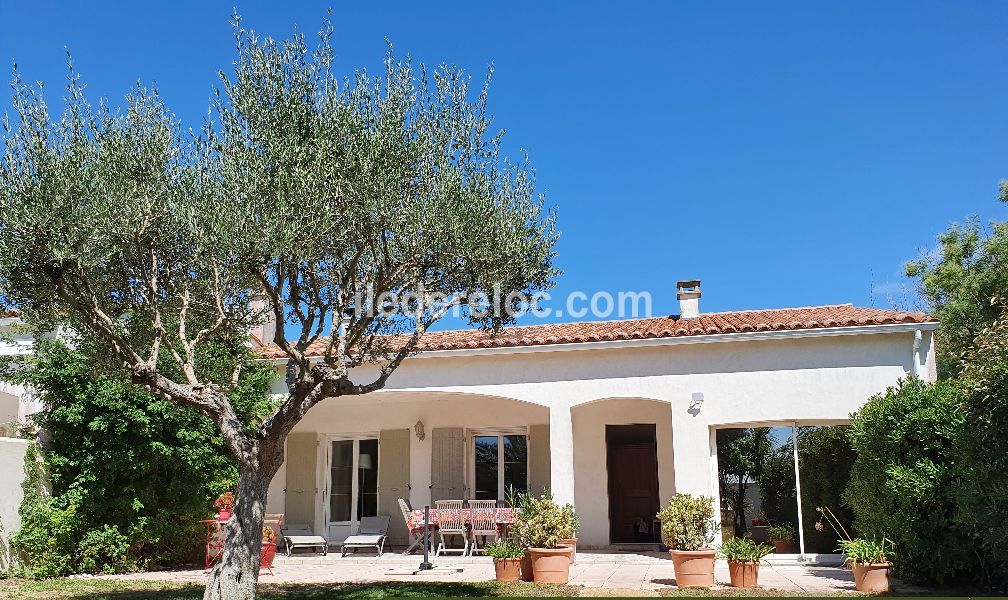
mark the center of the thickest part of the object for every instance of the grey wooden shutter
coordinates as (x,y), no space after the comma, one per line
(539,458)
(393,480)
(301,493)
(447,463)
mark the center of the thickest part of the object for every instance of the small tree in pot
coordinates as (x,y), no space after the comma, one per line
(744,556)
(688,528)
(541,523)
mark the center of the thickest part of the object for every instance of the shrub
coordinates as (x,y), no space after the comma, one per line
(504,549)
(688,522)
(130,475)
(905,476)
(542,523)
(782,532)
(742,549)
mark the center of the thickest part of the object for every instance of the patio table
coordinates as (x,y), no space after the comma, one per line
(502,516)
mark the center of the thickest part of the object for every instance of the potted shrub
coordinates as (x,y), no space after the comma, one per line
(540,524)
(569,534)
(223,504)
(688,528)
(871,560)
(507,555)
(782,537)
(268,548)
(744,556)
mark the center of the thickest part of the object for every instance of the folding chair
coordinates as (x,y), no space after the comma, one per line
(371,533)
(214,545)
(484,522)
(451,522)
(274,522)
(415,533)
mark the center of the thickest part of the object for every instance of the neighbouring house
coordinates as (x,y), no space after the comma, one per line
(16,405)
(613,416)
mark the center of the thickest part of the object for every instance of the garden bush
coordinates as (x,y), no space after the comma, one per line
(904,479)
(123,477)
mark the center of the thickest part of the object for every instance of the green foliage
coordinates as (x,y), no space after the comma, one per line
(982,492)
(960,284)
(777,487)
(743,549)
(504,549)
(826,459)
(541,523)
(905,478)
(130,474)
(782,532)
(861,551)
(742,457)
(688,522)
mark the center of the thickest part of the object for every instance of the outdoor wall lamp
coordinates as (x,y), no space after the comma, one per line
(419,431)
(696,401)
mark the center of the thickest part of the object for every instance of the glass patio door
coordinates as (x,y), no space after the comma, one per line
(353,485)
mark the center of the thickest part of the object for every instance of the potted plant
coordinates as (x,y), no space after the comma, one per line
(744,556)
(223,504)
(268,548)
(569,534)
(871,560)
(688,528)
(507,555)
(540,524)
(782,537)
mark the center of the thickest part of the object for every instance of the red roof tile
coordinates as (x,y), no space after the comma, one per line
(782,319)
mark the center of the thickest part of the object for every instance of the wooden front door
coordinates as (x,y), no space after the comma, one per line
(633,489)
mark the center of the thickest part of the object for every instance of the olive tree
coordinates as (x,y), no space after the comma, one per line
(363,208)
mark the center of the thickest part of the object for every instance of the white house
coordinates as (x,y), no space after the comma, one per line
(613,416)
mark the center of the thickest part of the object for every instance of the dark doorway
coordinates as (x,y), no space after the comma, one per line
(632,462)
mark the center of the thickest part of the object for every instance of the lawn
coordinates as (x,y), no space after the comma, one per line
(105,589)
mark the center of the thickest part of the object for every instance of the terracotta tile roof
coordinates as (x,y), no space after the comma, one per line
(783,319)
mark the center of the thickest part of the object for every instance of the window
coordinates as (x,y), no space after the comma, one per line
(500,463)
(353,480)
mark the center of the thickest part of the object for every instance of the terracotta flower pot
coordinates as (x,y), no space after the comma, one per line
(507,569)
(743,574)
(267,556)
(570,543)
(223,514)
(693,568)
(550,565)
(872,578)
(526,567)
(783,546)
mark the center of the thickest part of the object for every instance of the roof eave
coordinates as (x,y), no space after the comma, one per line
(709,338)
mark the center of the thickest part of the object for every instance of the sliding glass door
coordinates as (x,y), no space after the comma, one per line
(353,485)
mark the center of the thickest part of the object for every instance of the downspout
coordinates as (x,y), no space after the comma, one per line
(918,337)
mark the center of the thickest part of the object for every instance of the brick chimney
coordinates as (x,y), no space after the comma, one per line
(689,298)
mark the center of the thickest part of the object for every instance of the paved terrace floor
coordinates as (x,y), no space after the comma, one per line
(644,572)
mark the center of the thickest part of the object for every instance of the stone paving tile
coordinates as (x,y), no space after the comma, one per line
(640,573)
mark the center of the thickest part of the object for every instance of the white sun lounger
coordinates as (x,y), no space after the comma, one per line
(372,535)
(301,537)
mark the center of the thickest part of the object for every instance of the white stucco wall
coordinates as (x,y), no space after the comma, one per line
(12,453)
(820,379)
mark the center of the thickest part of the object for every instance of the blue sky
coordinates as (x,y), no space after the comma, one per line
(786,154)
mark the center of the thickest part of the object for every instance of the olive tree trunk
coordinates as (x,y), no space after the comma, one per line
(235,575)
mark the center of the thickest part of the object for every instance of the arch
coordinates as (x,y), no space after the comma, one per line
(591,420)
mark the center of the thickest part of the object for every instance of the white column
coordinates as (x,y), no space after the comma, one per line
(561,454)
(797,482)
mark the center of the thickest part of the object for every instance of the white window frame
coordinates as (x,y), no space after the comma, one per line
(356,438)
(472,434)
